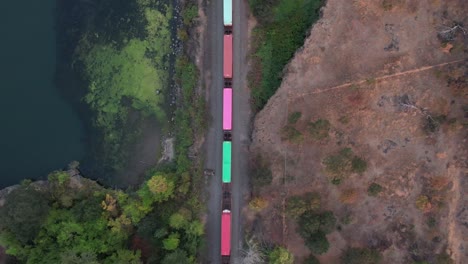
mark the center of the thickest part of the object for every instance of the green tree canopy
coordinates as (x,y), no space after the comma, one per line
(281,255)
(23,214)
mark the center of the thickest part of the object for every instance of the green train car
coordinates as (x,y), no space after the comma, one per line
(227,147)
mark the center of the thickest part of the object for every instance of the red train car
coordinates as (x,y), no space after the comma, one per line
(226,236)
(227,67)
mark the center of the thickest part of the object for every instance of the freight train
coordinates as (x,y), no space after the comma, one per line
(227,130)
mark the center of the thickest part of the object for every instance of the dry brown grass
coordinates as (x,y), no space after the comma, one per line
(439,183)
(349,196)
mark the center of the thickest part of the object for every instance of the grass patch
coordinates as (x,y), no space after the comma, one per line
(291,134)
(294,117)
(361,256)
(319,129)
(283,25)
(374,189)
(344,120)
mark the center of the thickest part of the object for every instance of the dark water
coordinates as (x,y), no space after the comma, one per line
(39,130)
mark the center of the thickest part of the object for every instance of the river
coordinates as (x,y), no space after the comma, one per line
(40,132)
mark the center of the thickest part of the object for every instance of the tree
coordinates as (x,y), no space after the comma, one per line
(73,257)
(124,256)
(361,256)
(311,222)
(177,221)
(281,255)
(23,214)
(171,242)
(311,259)
(318,243)
(161,187)
(177,256)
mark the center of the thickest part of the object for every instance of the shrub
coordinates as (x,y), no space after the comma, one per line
(319,129)
(297,205)
(358,165)
(342,164)
(423,203)
(374,189)
(339,163)
(189,14)
(261,173)
(431,222)
(361,256)
(432,124)
(258,204)
(311,222)
(444,259)
(294,117)
(292,134)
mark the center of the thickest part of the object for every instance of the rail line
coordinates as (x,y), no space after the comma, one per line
(226,217)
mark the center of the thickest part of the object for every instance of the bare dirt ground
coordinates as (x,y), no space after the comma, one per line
(375,72)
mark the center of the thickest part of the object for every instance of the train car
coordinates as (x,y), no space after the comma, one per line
(227,66)
(227,147)
(225,236)
(227,114)
(227,109)
(227,13)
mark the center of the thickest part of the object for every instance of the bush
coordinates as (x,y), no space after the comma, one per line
(431,222)
(361,256)
(280,255)
(319,129)
(374,189)
(294,117)
(292,134)
(261,173)
(312,222)
(444,259)
(358,165)
(297,205)
(423,203)
(189,14)
(432,124)
(258,204)
(342,164)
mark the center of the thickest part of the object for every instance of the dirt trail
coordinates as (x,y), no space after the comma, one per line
(454,233)
(376,79)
